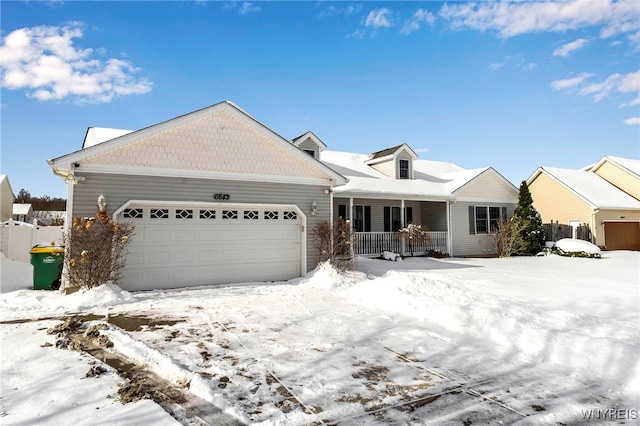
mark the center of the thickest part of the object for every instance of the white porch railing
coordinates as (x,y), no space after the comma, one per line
(374,243)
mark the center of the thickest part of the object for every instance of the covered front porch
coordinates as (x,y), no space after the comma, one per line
(375,243)
(376,223)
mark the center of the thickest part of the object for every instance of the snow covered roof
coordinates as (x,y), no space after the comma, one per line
(591,187)
(631,165)
(21,208)
(432,179)
(96,135)
(389,152)
(296,141)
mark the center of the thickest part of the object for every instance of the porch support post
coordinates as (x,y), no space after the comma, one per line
(402,225)
(350,213)
(448,204)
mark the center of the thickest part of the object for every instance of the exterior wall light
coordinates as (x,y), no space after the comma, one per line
(314,208)
(72,179)
(102,203)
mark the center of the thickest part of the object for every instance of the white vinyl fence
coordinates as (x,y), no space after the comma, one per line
(17,238)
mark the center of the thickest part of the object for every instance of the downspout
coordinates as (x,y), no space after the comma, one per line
(593,226)
(331,215)
(69,182)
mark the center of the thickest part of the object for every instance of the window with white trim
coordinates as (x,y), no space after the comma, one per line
(403,167)
(392,218)
(485,219)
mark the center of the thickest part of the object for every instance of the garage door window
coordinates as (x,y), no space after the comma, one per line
(207,214)
(132,214)
(184,214)
(229,214)
(290,215)
(271,215)
(251,214)
(159,214)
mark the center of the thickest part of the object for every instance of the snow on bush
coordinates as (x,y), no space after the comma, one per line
(571,247)
(389,255)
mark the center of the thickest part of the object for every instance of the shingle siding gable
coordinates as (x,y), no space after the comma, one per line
(219,142)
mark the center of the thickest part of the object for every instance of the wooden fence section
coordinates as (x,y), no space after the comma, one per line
(555,231)
(374,243)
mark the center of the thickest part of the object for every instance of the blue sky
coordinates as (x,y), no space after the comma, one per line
(513,85)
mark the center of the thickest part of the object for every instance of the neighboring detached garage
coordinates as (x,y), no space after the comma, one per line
(215,196)
(622,235)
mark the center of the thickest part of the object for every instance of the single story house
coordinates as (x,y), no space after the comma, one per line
(584,197)
(6,199)
(23,212)
(217,197)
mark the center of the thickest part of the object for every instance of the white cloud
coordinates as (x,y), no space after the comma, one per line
(567,48)
(516,62)
(44,61)
(379,18)
(571,82)
(422,150)
(514,18)
(632,121)
(331,10)
(419,17)
(614,84)
(634,40)
(248,7)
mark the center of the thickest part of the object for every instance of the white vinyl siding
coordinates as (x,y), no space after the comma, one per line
(465,243)
(118,189)
(403,158)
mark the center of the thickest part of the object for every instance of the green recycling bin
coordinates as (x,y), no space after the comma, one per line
(47,266)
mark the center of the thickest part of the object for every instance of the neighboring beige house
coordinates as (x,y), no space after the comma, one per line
(22,212)
(624,173)
(6,199)
(584,197)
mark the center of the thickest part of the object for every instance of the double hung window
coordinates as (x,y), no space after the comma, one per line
(403,167)
(485,219)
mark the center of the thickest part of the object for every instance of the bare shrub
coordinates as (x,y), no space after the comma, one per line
(414,234)
(507,237)
(96,249)
(335,243)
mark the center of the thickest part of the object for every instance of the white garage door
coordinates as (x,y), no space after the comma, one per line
(184,244)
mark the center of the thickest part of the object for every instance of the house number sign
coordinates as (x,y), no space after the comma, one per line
(223,197)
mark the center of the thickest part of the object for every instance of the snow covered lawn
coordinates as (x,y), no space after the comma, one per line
(535,340)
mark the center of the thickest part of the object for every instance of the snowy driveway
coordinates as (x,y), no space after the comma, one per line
(522,340)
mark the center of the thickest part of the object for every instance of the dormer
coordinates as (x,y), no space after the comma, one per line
(310,143)
(396,162)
